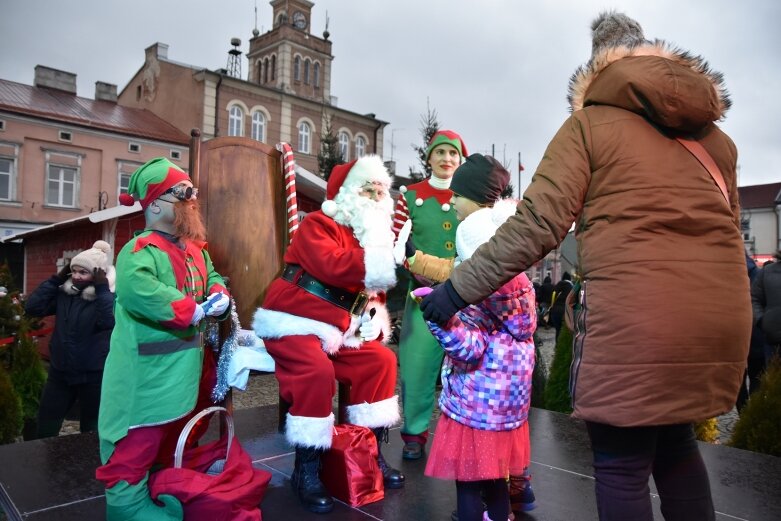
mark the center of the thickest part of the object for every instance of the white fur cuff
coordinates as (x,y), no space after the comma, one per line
(384,413)
(380,269)
(306,431)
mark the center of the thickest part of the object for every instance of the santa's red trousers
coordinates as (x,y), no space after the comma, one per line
(307,375)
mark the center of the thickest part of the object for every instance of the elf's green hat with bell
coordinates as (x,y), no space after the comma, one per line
(151,180)
(446,137)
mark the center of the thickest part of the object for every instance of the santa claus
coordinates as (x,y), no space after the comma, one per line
(323,320)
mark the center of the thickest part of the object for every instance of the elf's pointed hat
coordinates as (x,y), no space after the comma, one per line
(150,181)
(446,137)
(352,175)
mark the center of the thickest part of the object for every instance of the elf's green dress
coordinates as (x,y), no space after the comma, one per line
(153,369)
(420,356)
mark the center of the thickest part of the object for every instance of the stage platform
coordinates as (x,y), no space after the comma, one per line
(53,479)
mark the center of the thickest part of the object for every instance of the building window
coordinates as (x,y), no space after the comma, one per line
(306,71)
(304,135)
(66,136)
(360,146)
(2,125)
(176,154)
(297,68)
(62,179)
(344,145)
(265,70)
(316,79)
(235,121)
(134,147)
(258,126)
(273,67)
(7,175)
(124,170)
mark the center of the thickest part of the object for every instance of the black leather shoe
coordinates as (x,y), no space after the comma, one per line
(306,481)
(391,477)
(412,450)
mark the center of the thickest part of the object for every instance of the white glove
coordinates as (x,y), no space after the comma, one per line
(401,243)
(220,305)
(197,315)
(370,328)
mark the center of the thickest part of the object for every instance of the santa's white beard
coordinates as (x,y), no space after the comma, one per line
(371,221)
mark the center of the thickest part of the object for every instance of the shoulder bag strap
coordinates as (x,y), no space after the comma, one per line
(702,155)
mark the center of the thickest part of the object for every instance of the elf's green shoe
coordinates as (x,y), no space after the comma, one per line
(125,502)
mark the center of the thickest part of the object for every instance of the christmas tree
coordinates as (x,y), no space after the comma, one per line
(19,355)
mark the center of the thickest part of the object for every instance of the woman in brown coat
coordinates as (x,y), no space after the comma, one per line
(663,331)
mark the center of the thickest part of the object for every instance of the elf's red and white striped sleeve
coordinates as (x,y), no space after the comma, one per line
(400,215)
(291,204)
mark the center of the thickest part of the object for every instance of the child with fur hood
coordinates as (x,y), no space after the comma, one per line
(482,436)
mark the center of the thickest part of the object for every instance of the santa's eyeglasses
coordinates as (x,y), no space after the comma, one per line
(182,192)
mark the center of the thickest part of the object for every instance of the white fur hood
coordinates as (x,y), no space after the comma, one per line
(89,292)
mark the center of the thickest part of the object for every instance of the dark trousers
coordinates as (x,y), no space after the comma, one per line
(470,496)
(57,399)
(625,457)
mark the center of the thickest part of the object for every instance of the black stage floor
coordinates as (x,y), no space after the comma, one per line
(53,479)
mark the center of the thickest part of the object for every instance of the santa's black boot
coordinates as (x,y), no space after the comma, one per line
(391,477)
(306,481)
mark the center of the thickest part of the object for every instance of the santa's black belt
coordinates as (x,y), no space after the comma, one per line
(355,303)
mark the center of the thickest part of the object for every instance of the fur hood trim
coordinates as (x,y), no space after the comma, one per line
(585,75)
(89,292)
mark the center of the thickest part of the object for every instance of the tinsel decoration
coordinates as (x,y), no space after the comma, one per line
(226,352)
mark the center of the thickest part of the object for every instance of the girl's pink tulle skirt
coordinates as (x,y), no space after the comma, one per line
(466,454)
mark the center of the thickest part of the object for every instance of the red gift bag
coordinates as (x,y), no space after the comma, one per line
(229,492)
(349,469)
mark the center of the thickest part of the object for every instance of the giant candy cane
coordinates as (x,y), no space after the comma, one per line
(289,171)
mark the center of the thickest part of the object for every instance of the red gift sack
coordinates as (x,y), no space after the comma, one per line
(350,471)
(229,492)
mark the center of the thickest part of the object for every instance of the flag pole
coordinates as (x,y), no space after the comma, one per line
(520,168)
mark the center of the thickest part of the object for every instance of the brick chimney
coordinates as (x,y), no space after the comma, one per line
(157,50)
(105,91)
(55,79)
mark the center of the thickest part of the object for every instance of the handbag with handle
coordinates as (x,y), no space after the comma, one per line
(215,481)
(350,470)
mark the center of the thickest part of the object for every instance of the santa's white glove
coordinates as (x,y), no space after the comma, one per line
(219,305)
(399,247)
(198,315)
(370,328)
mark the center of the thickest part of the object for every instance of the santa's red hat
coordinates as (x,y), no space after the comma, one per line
(352,176)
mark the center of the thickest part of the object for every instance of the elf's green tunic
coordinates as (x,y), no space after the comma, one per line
(420,356)
(154,365)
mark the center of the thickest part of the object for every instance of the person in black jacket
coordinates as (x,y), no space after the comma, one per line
(81,298)
(560,292)
(766,303)
(544,301)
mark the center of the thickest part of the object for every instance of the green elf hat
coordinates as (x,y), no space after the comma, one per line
(446,137)
(151,180)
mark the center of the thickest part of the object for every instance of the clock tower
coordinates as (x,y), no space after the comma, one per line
(289,57)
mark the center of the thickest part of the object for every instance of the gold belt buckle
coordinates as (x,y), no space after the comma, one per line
(359,305)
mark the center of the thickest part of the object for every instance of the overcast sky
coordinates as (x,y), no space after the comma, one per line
(495,71)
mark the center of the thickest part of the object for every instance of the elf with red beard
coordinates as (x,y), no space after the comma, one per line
(324,318)
(156,364)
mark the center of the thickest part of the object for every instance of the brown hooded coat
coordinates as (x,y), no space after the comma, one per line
(663,331)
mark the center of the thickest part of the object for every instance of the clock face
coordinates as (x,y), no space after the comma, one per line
(299,20)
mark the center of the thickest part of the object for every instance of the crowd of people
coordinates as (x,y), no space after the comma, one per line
(128,342)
